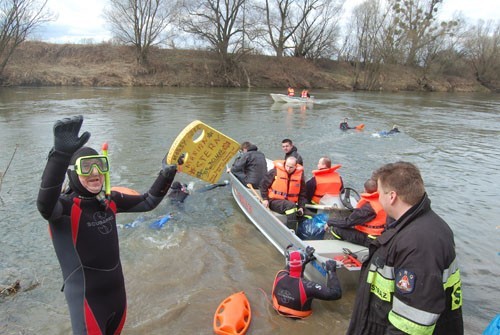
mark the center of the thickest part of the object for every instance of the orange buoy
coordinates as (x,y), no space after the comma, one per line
(233,315)
(124,190)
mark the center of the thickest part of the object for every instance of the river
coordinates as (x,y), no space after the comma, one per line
(177,276)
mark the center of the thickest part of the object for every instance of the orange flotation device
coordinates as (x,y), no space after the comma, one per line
(233,315)
(125,190)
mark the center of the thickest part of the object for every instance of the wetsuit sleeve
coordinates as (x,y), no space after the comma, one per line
(266,182)
(147,201)
(332,291)
(51,184)
(357,217)
(310,188)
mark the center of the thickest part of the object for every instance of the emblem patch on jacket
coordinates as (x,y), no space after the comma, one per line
(405,281)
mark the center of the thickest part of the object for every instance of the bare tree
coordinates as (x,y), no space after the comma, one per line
(316,36)
(482,47)
(140,23)
(283,19)
(218,22)
(415,23)
(370,43)
(18,19)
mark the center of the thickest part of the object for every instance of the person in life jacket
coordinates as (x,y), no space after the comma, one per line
(292,294)
(82,225)
(283,190)
(305,94)
(366,222)
(344,125)
(410,283)
(325,180)
(290,92)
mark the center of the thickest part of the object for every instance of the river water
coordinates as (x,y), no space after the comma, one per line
(177,276)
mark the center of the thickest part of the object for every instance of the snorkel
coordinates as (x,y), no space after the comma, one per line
(107,182)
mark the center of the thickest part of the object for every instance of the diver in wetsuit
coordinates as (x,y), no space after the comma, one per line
(83,227)
(293,294)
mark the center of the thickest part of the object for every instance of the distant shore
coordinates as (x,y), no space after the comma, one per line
(107,65)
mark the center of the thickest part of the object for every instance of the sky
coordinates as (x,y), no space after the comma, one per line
(82,21)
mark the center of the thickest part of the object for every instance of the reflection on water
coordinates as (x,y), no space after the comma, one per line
(177,276)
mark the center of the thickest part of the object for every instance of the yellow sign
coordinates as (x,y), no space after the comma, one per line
(206,150)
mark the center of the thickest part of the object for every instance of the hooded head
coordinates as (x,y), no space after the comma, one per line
(295,261)
(74,181)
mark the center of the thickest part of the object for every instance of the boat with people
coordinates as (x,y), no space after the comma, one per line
(289,99)
(272,226)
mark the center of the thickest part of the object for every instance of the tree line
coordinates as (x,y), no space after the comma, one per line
(377,33)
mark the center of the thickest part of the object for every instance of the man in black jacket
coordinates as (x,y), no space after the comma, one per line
(291,150)
(410,283)
(251,166)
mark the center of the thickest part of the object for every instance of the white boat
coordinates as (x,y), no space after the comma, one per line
(278,97)
(272,226)
(285,98)
(298,100)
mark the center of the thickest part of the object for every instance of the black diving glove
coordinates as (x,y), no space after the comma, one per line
(331,266)
(169,170)
(66,138)
(310,254)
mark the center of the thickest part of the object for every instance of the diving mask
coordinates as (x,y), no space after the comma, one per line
(84,165)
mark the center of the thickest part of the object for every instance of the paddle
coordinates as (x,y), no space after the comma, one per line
(250,186)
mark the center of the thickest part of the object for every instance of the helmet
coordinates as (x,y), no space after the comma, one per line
(295,262)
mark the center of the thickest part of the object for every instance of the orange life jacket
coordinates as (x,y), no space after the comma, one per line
(291,91)
(286,186)
(327,182)
(375,226)
(304,94)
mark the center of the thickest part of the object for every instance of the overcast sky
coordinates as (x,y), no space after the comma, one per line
(82,20)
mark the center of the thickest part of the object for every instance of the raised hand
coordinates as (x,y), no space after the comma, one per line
(66,137)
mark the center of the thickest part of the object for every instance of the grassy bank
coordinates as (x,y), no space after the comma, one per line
(44,64)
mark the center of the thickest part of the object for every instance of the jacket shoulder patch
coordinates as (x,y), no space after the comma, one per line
(405,281)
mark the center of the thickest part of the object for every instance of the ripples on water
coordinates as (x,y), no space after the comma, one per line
(178,275)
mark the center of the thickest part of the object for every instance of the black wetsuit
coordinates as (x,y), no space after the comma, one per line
(85,239)
(297,294)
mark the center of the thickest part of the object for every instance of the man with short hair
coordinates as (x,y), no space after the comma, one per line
(251,166)
(283,190)
(410,283)
(325,180)
(291,150)
(365,223)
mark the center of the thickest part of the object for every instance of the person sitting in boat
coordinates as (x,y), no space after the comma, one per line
(283,190)
(290,92)
(291,150)
(305,94)
(292,294)
(366,222)
(251,166)
(344,125)
(325,180)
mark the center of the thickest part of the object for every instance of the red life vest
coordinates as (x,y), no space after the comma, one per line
(327,182)
(304,94)
(375,226)
(286,186)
